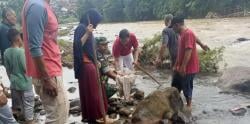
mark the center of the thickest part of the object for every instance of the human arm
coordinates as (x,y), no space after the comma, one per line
(111,74)
(136,52)
(117,65)
(187,56)
(203,46)
(89,31)
(37,18)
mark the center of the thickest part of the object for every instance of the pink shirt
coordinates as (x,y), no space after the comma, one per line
(123,50)
(47,43)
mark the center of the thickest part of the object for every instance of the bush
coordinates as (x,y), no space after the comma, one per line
(210,60)
(150,50)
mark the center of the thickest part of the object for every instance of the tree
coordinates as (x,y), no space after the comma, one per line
(113,10)
(16,5)
(83,6)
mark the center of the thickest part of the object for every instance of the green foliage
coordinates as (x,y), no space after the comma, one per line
(150,50)
(209,61)
(139,10)
(113,10)
(16,5)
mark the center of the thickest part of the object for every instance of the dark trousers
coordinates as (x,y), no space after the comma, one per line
(184,84)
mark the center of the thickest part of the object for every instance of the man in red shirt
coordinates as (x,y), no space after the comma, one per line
(122,50)
(187,64)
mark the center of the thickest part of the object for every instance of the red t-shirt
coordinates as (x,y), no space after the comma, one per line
(187,40)
(120,49)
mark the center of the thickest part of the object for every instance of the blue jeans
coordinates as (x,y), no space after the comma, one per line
(6,116)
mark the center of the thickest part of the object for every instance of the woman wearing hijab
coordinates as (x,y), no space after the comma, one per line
(93,103)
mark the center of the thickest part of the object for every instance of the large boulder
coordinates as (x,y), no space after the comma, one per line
(161,105)
(235,80)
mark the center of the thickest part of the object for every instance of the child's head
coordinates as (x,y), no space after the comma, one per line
(14,37)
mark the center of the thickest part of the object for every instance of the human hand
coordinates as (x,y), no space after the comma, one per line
(182,70)
(90,29)
(205,47)
(49,86)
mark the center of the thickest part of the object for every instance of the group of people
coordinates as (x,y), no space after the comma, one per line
(39,65)
(181,43)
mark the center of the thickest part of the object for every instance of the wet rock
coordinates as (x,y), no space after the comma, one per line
(75,102)
(75,110)
(38,109)
(130,103)
(113,116)
(235,80)
(112,110)
(71,89)
(161,104)
(242,39)
(42,112)
(204,112)
(125,112)
(239,112)
(139,95)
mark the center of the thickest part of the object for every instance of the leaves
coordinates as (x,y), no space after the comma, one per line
(209,61)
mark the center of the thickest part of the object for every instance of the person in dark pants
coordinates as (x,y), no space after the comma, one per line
(187,64)
(170,40)
(8,22)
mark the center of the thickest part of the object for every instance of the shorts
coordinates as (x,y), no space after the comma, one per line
(184,84)
(23,100)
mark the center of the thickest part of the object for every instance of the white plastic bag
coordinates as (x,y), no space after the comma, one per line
(125,84)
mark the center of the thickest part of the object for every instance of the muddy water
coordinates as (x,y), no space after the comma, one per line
(210,106)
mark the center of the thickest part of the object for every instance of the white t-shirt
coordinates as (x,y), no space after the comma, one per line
(4,79)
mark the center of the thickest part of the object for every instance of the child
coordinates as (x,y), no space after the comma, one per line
(21,86)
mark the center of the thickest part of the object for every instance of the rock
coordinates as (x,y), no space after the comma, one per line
(37,109)
(125,112)
(75,102)
(71,89)
(139,95)
(75,110)
(161,104)
(235,80)
(242,39)
(42,112)
(239,112)
(113,116)
(111,110)
(204,112)
(130,103)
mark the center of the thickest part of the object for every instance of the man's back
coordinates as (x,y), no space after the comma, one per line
(40,33)
(4,42)
(170,38)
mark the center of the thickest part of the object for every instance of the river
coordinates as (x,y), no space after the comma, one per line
(209,105)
